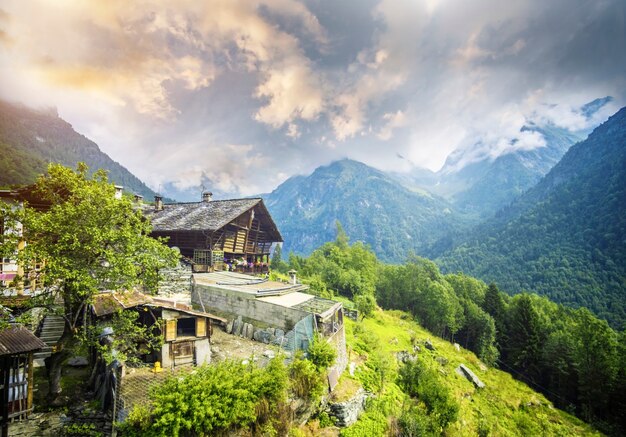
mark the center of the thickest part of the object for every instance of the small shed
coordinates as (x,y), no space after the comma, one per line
(17,345)
(186,332)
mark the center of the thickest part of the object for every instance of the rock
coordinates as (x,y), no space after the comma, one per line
(404,356)
(457,347)
(351,368)
(258,335)
(279,333)
(248,331)
(346,413)
(428,345)
(229,327)
(238,326)
(269,354)
(271,331)
(463,370)
(245,362)
(78,362)
(442,360)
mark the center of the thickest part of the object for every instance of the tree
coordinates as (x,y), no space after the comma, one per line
(365,304)
(277,262)
(525,338)
(88,241)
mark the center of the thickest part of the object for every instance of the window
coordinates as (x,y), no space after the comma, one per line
(186,327)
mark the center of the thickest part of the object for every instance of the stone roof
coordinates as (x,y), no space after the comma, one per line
(199,216)
(109,302)
(18,340)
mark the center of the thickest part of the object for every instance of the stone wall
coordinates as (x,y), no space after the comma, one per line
(175,280)
(346,413)
(232,304)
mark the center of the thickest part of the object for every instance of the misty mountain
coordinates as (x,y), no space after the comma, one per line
(479,184)
(566,237)
(370,205)
(30,139)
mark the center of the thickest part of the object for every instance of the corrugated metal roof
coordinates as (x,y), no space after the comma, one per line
(17,340)
(198,216)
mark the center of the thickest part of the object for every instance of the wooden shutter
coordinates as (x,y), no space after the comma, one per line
(200,327)
(170,330)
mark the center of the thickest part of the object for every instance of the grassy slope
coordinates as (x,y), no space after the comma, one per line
(505,407)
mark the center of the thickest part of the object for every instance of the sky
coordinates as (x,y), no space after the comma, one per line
(236,96)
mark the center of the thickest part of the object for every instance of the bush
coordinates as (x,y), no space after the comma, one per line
(321,353)
(212,399)
(421,382)
(306,380)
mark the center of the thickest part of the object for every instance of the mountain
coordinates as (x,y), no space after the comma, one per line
(566,237)
(479,184)
(29,139)
(369,204)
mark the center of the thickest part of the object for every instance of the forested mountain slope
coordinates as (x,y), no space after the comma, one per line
(30,139)
(371,206)
(566,237)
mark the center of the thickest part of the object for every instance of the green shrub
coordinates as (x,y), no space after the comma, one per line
(306,380)
(212,399)
(321,352)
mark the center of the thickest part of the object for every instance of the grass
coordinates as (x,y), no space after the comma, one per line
(505,407)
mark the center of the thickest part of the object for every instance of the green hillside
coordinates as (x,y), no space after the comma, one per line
(505,407)
(30,139)
(566,237)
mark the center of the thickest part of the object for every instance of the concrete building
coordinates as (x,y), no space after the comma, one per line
(256,306)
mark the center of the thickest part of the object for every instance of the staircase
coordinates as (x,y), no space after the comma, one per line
(51,332)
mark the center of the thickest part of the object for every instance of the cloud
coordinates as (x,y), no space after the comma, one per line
(234,93)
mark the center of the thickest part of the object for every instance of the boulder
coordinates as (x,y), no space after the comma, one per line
(428,345)
(471,376)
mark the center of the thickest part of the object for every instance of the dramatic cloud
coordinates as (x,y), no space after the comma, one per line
(238,95)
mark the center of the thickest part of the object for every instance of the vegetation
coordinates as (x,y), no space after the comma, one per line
(213,399)
(85,241)
(541,343)
(564,238)
(29,139)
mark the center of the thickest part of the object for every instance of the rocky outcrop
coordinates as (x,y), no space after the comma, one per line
(347,412)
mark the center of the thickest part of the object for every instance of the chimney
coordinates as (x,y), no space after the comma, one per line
(138,198)
(206,196)
(118,191)
(292,276)
(158,203)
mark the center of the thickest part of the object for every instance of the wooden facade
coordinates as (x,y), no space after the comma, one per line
(211,233)
(17,345)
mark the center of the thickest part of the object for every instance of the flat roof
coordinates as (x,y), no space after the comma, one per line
(289,300)
(277,293)
(252,285)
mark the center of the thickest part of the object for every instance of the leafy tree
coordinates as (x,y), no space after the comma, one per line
(421,382)
(365,304)
(88,241)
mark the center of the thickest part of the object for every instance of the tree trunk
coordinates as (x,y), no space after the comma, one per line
(54,366)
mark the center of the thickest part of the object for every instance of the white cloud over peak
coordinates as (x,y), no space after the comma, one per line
(236,92)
